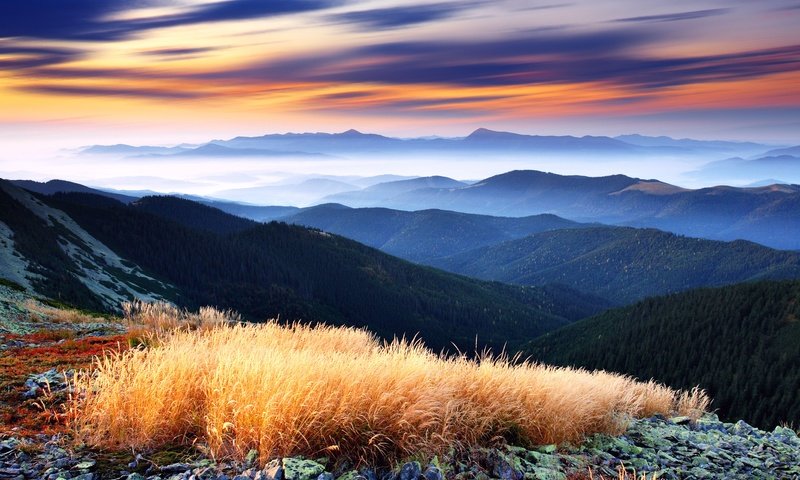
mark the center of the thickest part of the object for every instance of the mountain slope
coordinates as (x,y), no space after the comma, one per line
(277,269)
(623,264)
(45,250)
(423,235)
(738,342)
(55,186)
(193,215)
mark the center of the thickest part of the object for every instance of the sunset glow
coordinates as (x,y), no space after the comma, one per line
(246,66)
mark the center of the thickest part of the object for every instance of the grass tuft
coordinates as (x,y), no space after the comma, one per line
(339,392)
(162,317)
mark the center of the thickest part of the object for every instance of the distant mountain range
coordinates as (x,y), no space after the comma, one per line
(737,342)
(622,264)
(781,165)
(353,142)
(708,146)
(95,251)
(767,215)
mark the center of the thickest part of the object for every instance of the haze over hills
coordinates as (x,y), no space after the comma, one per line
(304,193)
(723,213)
(256,167)
(737,342)
(254,212)
(353,142)
(622,264)
(386,191)
(740,169)
(422,235)
(55,186)
(712,147)
(263,271)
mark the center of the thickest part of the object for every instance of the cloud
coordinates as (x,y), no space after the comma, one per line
(608,56)
(177,52)
(675,17)
(77,90)
(526,59)
(91,20)
(23,57)
(397,17)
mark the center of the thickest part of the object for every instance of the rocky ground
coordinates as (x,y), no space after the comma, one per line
(661,448)
(39,352)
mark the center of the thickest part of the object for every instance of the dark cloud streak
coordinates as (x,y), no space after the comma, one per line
(89,19)
(675,17)
(539,59)
(73,90)
(397,17)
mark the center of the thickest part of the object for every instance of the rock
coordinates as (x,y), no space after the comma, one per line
(135,476)
(548,474)
(300,469)
(741,428)
(433,473)
(351,475)
(549,449)
(86,465)
(273,470)
(506,467)
(9,445)
(175,468)
(410,471)
(681,420)
(325,476)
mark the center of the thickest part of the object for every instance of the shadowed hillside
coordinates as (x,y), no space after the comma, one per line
(275,270)
(740,343)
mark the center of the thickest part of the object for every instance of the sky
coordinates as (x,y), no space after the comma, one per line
(78,72)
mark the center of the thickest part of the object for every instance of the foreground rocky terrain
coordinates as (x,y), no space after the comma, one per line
(40,347)
(661,448)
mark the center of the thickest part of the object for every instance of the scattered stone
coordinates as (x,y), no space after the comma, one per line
(410,471)
(667,449)
(433,472)
(300,469)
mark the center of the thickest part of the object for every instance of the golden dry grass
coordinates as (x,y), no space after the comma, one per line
(289,390)
(160,317)
(58,315)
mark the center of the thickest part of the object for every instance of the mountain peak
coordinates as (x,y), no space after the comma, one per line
(486,133)
(351,133)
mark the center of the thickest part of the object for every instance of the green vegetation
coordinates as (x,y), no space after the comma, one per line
(12,285)
(624,264)
(280,270)
(741,343)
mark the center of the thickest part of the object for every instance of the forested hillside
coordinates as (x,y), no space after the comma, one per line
(623,264)
(277,269)
(426,234)
(741,343)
